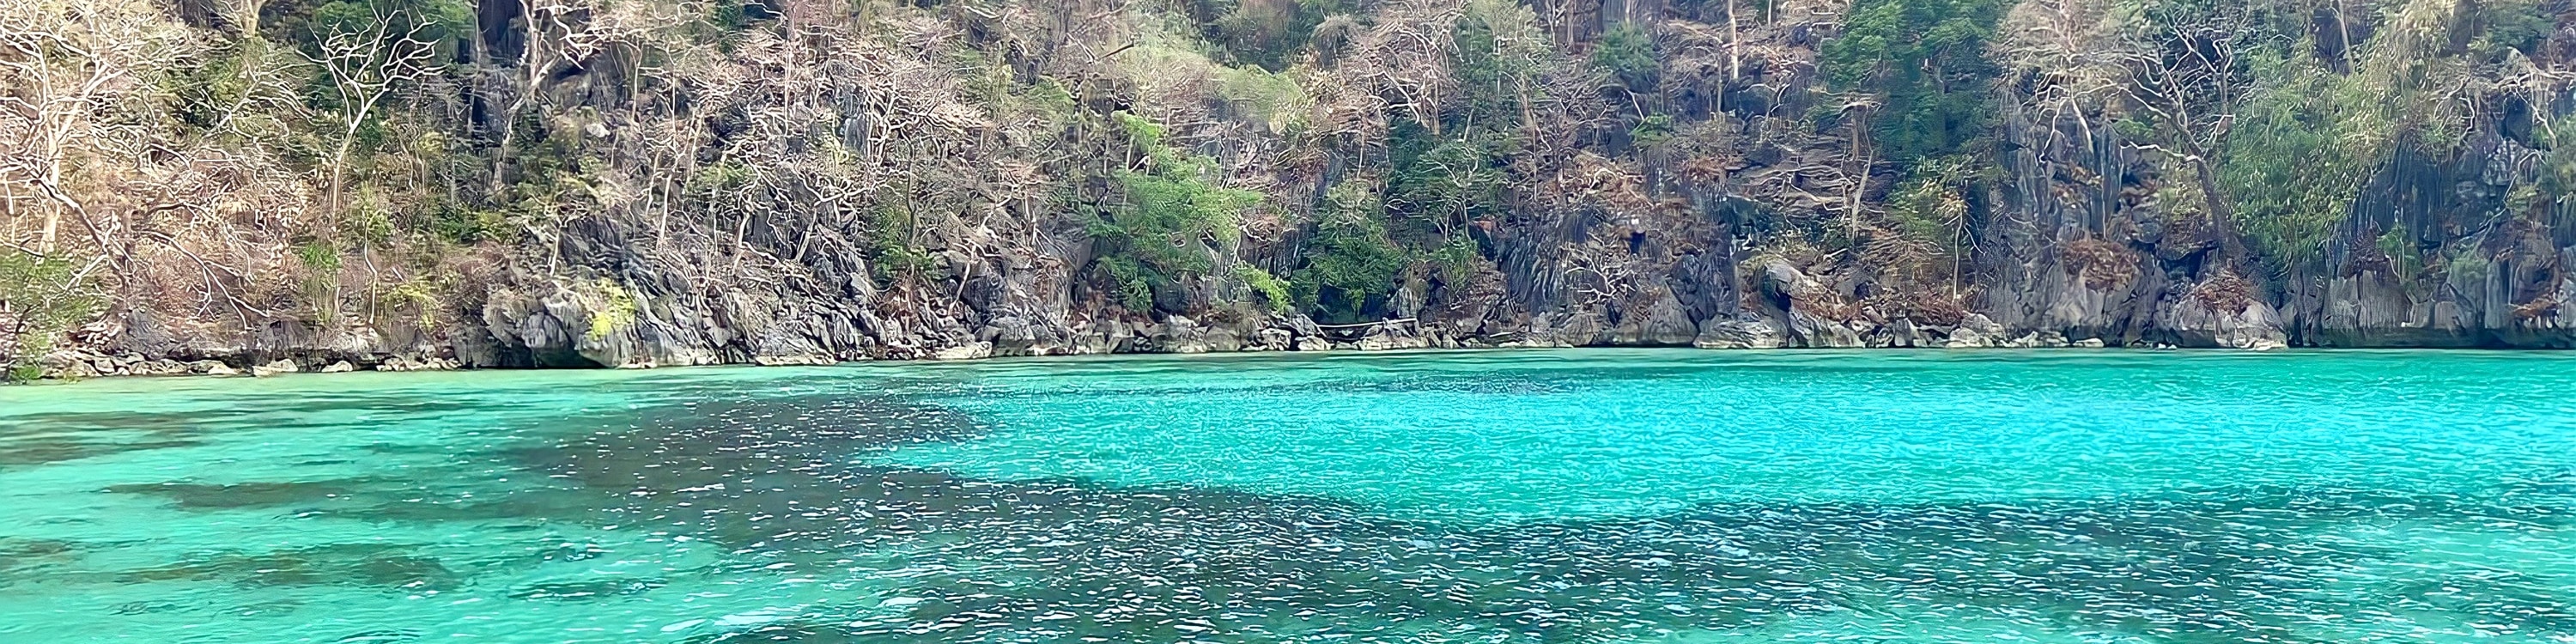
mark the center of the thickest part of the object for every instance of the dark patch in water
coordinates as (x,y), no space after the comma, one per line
(1063,560)
(777,480)
(57,448)
(37,439)
(379,637)
(52,437)
(205,496)
(25,558)
(586,589)
(361,564)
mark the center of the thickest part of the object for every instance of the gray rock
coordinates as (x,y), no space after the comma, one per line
(969,351)
(1390,336)
(62,359)
(340,367)
(1901,333)
(273,368)
(1663,323)
(1818,333)
(407,363)
(1979,323)
(212,368)
(74,370)
(1782,283)
(1747,333)
(158,368)
(1967,338)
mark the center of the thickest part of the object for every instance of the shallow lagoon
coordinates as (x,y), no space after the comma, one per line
(1542,496)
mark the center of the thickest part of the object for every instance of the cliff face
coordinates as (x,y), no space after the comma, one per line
(409,184)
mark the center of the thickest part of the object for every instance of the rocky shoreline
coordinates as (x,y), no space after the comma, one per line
(1177,335)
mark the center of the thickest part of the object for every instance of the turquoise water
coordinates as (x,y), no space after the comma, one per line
(1668,496)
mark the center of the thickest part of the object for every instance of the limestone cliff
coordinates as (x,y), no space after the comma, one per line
(428,184)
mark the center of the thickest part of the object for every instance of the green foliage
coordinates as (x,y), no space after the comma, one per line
(307,23)
(462,225)
(1047,100)
(319,256)
(1925,62)
(1653,129)
(2403,260)
(1456,260)
(1928,205)
(418,293)
(1130,281)
(550,162)
(2298,153)
(732,17)
(204,96)
(1439,184)
(2521,25)
(1173,210)
(891,253)
(1501,52)
(1268,33)
(1274,291)
(40,299)
(1349,259)
(321,281)
(1271,98)
(2557,185)
(617,310)
(1628,51)
(2466,268)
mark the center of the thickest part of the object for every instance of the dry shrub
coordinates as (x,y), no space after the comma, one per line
(2226,292)
(2103,265)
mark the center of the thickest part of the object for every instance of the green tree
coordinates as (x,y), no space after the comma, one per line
(40,298)
(1925,63)
(1501,55)
(1628,51)
(1174,219)
(2299,151)
(1349,259)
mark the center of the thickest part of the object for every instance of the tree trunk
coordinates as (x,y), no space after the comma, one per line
(53,213)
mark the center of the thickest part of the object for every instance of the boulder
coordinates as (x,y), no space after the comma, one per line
(1818,333)
(158,368)
(968,351)
(1900,332)
(1662,323)
(1389,336)
(273,368)
(1979,323)
(212,368)
(1741,333)
(1965,337)
(340,367)
(406,363)
(1011,336)
(1273,339)
(74,370)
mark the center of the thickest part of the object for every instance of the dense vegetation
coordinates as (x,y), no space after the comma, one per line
(220,166)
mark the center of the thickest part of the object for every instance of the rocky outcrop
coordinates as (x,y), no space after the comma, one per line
(896,215)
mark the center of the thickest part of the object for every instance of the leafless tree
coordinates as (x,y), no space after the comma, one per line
(64,65)
(364,66)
